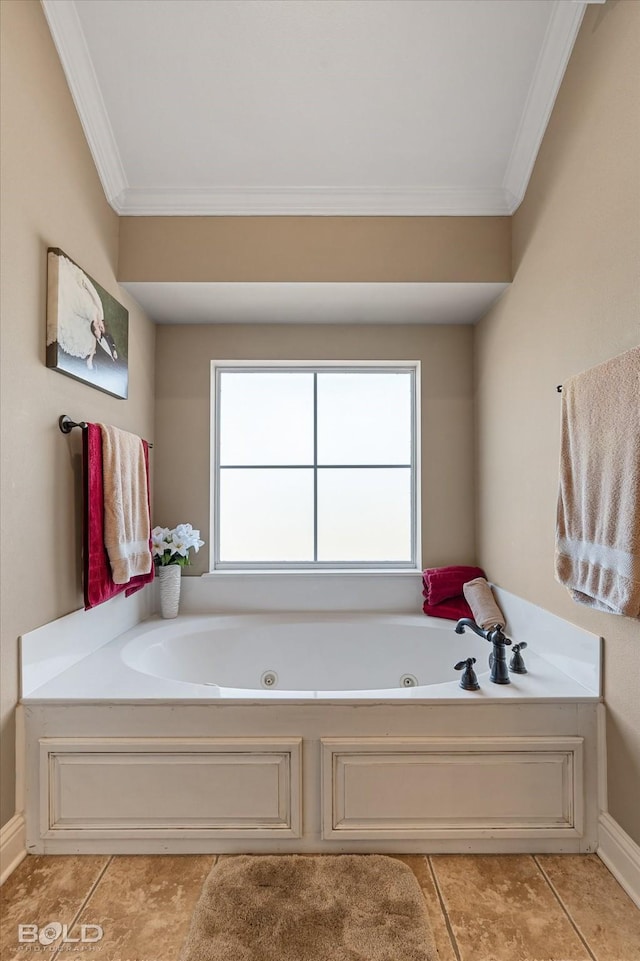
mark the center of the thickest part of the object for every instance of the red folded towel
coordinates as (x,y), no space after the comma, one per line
(98,583)
(454,608)
(441,583)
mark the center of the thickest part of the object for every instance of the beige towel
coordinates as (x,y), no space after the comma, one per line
(598,519)
(126,508)
(480,599)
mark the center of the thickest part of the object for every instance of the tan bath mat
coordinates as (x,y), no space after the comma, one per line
(296,908)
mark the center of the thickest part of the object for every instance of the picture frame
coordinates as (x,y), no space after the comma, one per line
(87,329)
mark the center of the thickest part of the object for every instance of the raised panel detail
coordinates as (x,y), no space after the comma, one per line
(439,787)
(234,787)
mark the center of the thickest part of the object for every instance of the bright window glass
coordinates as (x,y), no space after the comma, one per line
(364,418)
(315,466)
(266,418)
(364,514)
(267,515)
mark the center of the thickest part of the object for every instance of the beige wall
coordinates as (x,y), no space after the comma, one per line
(183,367)
(316,249)
(574,303)
(51,195)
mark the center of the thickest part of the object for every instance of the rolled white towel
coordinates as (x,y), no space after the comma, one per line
(480,599)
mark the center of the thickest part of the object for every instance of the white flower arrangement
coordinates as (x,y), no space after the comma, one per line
(172,546)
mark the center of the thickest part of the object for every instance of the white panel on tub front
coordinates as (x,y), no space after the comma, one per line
(231,787)
(430,787)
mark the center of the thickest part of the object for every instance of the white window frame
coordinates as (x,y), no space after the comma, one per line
(247,366)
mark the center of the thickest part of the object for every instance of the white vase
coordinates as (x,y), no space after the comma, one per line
(169,578)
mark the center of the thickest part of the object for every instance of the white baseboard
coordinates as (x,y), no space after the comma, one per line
(13,846)
(621,855)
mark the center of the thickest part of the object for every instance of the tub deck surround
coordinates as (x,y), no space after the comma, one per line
(356,657)
(51,649)
(571,649)
(164,740)
(376,591)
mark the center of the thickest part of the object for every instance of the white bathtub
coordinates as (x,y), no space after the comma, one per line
(165,739)
(304,655)
(320,656)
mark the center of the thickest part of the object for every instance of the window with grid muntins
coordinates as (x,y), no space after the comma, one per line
(315,466)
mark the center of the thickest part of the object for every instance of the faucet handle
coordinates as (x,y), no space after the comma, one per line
(468,681)
(466,663)
(516,664)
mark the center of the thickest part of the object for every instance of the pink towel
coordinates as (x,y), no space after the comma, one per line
(98,582)
(441,583)
(453,609)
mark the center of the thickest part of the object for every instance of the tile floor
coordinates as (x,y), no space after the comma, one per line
(482,908)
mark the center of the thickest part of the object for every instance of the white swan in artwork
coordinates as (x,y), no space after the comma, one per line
(78,324)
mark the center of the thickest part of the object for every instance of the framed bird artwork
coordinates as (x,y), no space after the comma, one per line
(87,329)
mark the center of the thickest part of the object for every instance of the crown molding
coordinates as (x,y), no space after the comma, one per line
(71,45)
(557,45)
(77,64)
(316,201)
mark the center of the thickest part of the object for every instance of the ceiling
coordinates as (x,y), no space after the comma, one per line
(325,303)
(413,107)
(314,107)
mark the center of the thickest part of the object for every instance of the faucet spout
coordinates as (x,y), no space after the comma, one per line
(467,622)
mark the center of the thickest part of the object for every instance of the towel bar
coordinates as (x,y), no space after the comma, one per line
(66,425)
